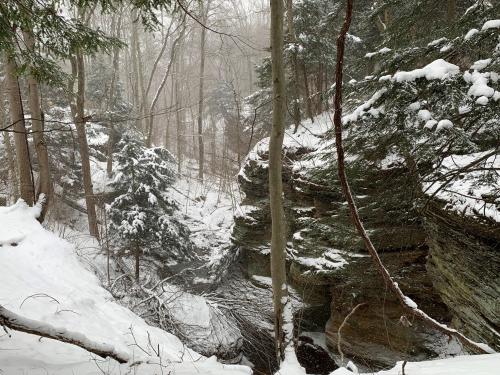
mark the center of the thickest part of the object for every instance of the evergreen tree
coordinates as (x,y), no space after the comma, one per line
(142,215)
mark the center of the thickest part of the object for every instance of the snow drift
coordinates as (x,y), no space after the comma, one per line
(43,279)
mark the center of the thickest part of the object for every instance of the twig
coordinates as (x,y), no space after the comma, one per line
(339,337)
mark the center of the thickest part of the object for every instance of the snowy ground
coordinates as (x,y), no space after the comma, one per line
(43,279)
(207,209)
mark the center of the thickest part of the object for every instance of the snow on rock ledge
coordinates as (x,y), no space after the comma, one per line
(42,279)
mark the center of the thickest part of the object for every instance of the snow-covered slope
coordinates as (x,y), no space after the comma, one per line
(41,278)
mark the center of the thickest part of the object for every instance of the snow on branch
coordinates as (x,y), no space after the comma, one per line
(18,323)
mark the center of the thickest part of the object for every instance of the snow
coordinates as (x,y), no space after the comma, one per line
(430,124)
(481,64)
(291,365)
(208,212)
(464,109)
(436,42)
(444,124)
(38,282)
(485,364)
(470,34)
(482,100)
(414,106)
(379,52)
(410,303)
(363,108)
(438,69)
(464,195)
(491,24)
(424,115)
(479,85)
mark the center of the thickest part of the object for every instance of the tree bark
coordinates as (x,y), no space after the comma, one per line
(149,140)
(11,158)
(137,262)
(45,186)
(278,235)
(295,69)
(111,98)
(307,92)
(27,191)
(135,69)
(18,323)
(178,114)
(451,10)
(78,70)
(408,305)
(201,146)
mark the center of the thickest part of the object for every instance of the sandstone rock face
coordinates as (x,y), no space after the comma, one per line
(327,264)
(464,265)
(447,263)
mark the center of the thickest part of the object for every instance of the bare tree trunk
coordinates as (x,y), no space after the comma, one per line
(20,135)
(238,127)
(307,92)
(135,69)
(149,140)
(278,236)
(295,69)
(111,99)
(137,262)
(142,91)
(78,70)
(408,305)
(451,10)
(213,134)
(10,155)
(201,147)
(38,128)
(178,114)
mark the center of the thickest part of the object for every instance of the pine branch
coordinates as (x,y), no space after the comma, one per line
(408,305)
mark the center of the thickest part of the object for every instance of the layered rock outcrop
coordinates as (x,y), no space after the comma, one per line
(329,268)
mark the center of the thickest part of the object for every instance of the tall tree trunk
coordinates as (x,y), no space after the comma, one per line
(278,235)
(201,146)
(178,114)
(11,160)
(408,305)
(142,92)
(38,128)
(295,69)
(149,139)
(111,98)
(10,155)
(238,127)
(213,146)
(135,69)
(137,255)
(451,10)
(78,68)
(307,92)
(20,135)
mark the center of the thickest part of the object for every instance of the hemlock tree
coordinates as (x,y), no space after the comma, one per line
(141,216)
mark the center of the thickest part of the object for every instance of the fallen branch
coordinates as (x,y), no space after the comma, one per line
(18,323)
(339,337)
(408,305)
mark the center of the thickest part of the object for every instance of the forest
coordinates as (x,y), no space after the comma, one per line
(268,187)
